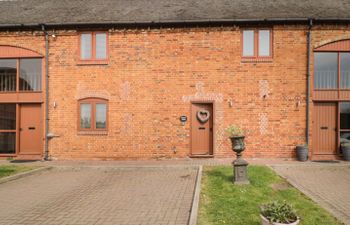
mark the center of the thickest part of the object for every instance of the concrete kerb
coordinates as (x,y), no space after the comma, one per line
(314,197)
(124,167)
(24,174)
(196,198)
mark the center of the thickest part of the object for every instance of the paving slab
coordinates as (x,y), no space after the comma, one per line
(327,184)
(100,195)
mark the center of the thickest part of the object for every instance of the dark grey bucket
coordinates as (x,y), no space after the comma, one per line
(346,152)
(302,152)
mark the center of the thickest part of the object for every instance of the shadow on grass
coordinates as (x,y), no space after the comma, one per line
(219,174)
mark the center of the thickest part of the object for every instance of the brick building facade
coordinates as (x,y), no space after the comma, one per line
(153,75)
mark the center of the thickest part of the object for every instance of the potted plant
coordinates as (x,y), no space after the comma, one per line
(345,147)
(237,138)
(278,213)
(302,152)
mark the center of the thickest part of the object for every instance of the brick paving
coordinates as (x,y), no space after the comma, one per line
(327,184)
(100,195)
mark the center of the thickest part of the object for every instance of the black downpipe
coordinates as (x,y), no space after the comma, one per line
(46,154)
(308,80)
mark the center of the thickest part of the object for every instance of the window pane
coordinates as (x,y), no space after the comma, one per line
(7,116)
(345,115)
(30,75)
(344,137)
(326,70)
(85,46)
(101,46)
(85,116)
(345,70)
(7,142)
(264,43)
(8,73)
(248,43)
(101,114)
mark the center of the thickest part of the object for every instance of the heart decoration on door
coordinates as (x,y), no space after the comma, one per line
(203,115)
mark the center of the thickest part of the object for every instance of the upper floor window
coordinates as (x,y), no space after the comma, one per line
(20,74)
(93,114)
(257,43)
(93,46)
(331,67)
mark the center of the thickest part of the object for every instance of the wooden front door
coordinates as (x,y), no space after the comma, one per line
(31,131)
(202,129)
(325,130)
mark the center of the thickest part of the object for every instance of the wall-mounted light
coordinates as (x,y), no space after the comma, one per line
(53,35)
(54,104)
(230,103)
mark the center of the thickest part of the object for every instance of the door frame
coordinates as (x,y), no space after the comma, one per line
(42,135)
(212,102)
(337,155)
(314,155)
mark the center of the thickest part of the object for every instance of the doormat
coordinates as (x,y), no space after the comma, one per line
(326,161)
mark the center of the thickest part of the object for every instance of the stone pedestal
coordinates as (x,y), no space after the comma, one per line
(240,171)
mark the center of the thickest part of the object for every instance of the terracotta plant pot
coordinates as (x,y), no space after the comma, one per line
(264,221)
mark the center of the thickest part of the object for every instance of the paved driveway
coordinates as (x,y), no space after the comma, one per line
(100,196)
(327,184)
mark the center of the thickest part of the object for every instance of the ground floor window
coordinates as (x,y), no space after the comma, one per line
(92,114)
(7,128)
(344,122)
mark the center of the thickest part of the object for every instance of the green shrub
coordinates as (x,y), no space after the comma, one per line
(234,131)
(278,212)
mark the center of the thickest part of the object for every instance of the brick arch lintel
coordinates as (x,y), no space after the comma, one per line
(93,94)
(17,51)
(331,40)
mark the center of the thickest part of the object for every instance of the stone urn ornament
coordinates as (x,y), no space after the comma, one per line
(236,136)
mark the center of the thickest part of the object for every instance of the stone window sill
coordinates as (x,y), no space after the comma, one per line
(92,62)
(93,133)
(257,60)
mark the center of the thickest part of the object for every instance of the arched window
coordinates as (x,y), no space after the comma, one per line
(20,70)
(93,114)
(332,66)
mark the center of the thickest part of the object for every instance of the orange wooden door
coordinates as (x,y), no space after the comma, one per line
(30,129)
(202,129)
(325,130)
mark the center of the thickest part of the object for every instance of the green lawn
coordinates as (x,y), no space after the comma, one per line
(7,170)
(224,203)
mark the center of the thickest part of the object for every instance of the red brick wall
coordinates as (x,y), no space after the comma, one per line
(152,77)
